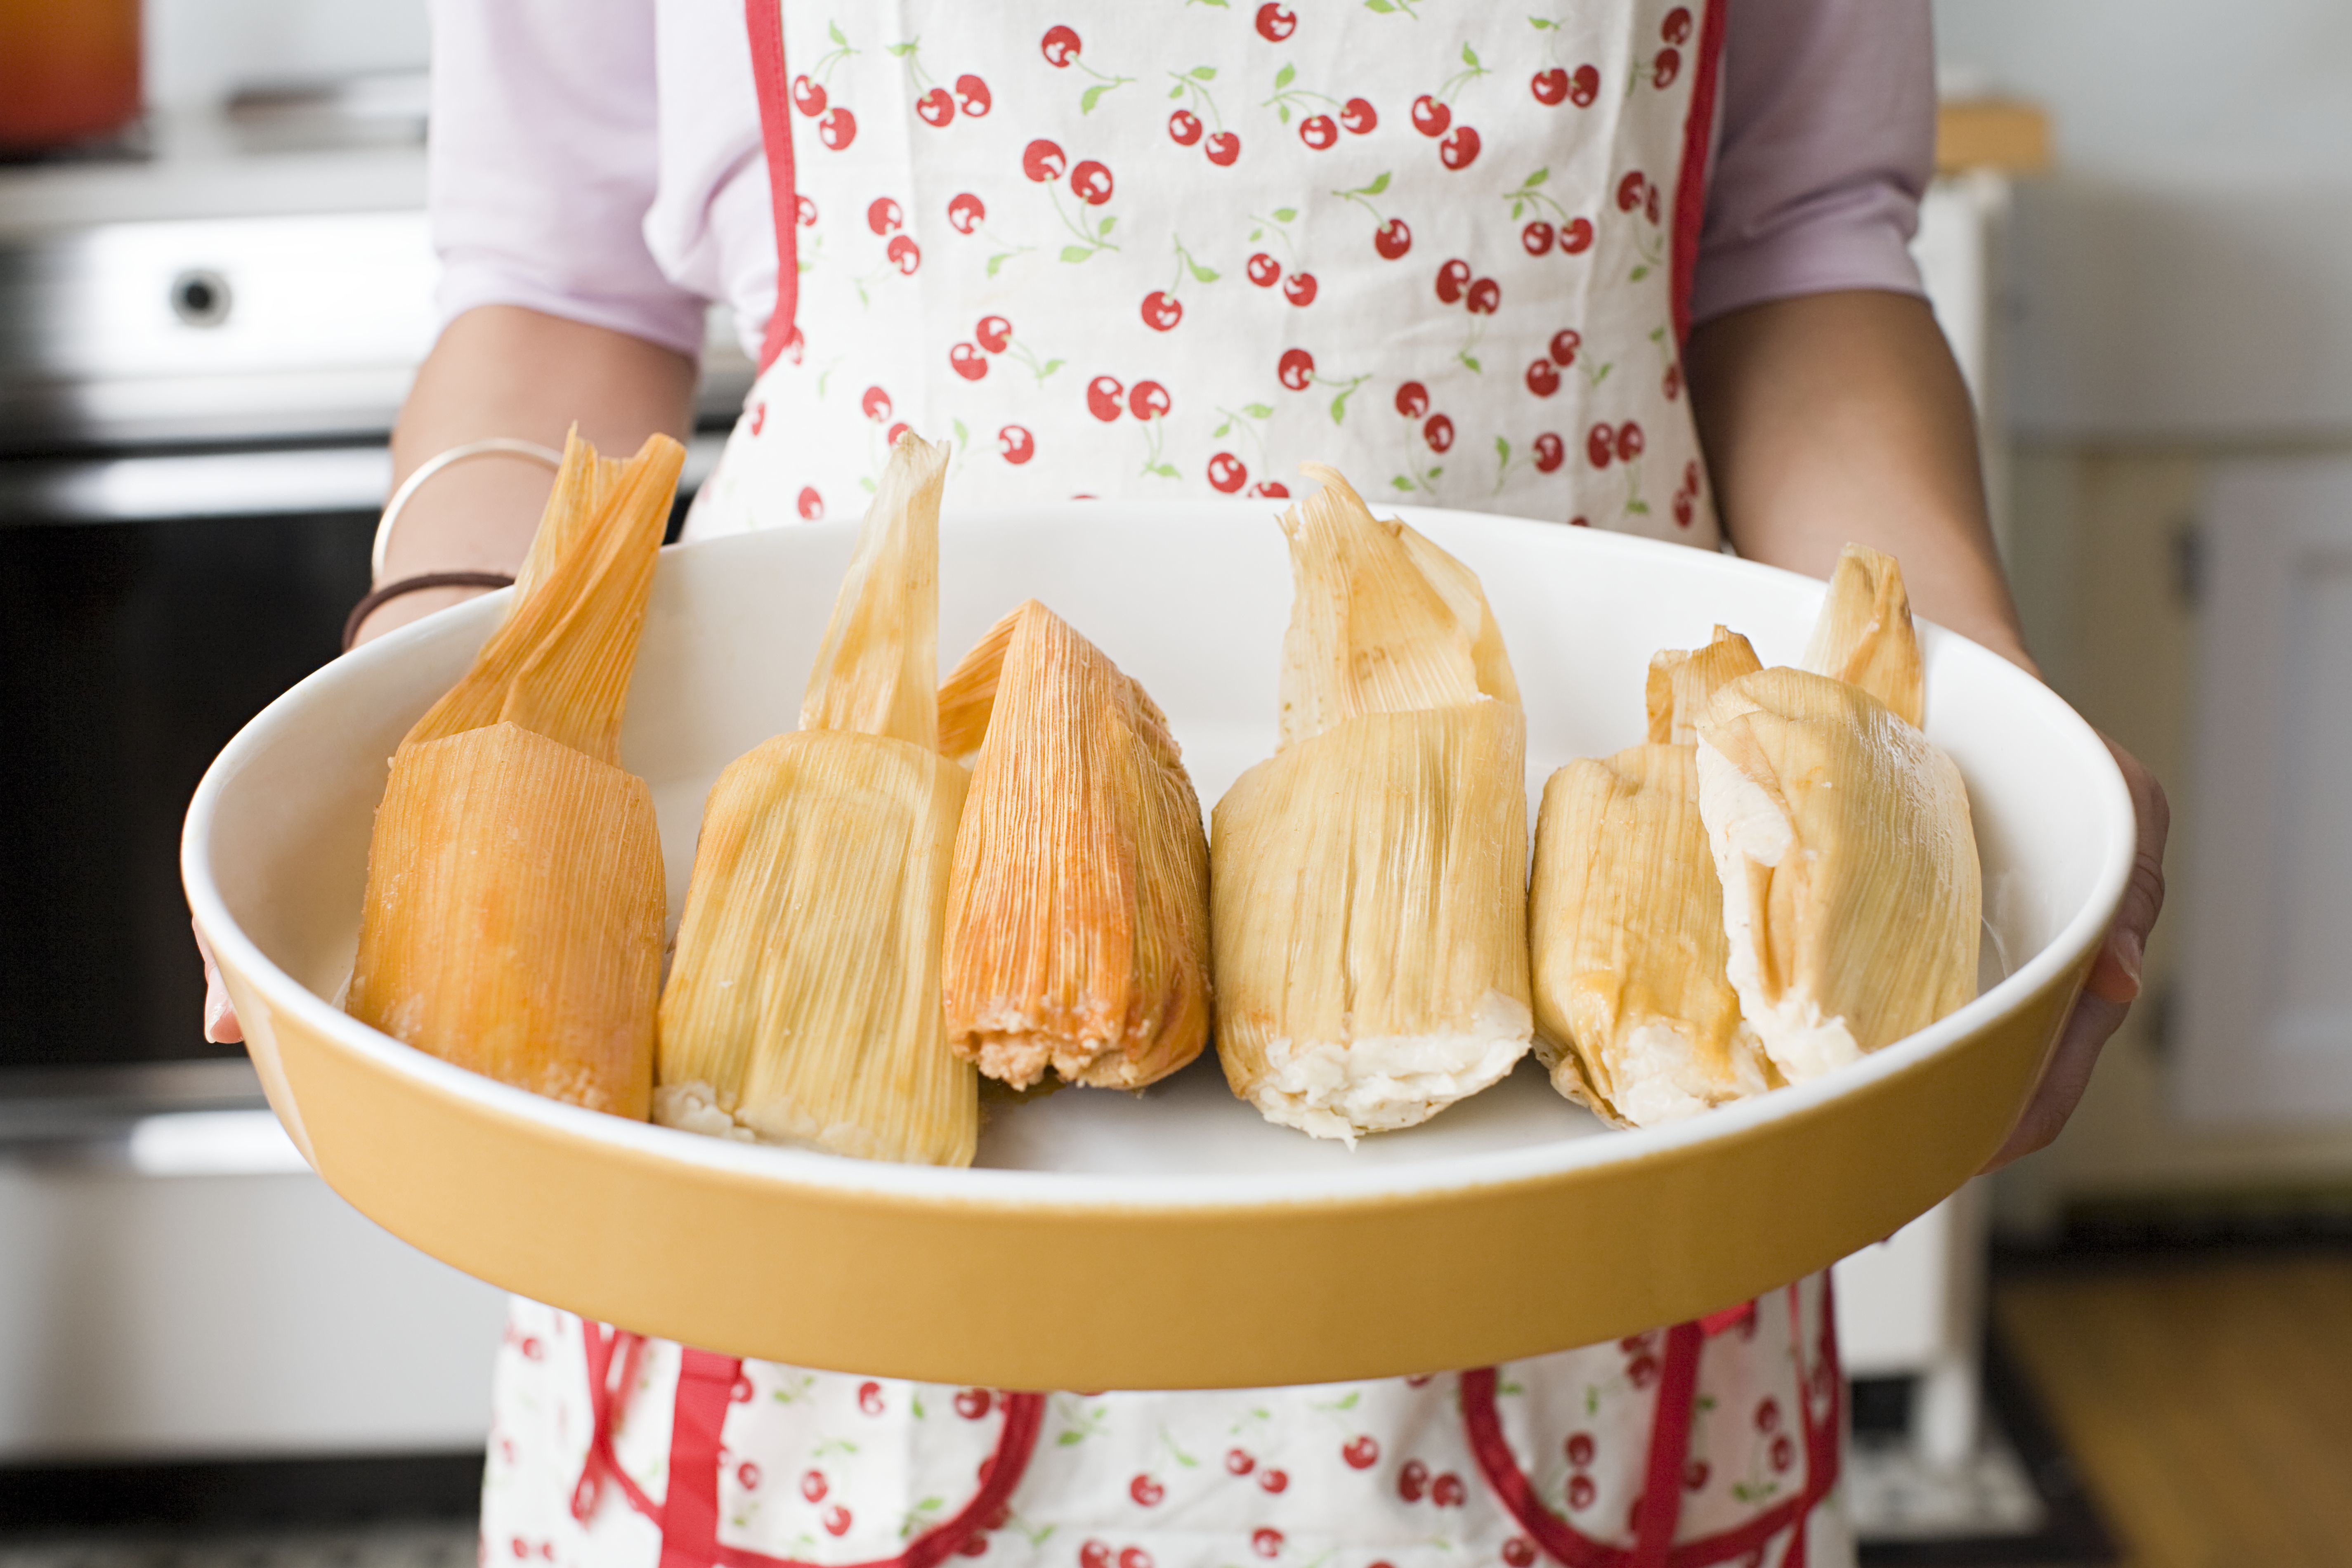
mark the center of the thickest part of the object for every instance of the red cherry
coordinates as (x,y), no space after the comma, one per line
(1550,86)
(973,1404)
(1149,400)
(1183,128)
(1581,1490)
(759,416)
(1239,1461)
(876,404)
(967,362)
(1134,1557)
(869,1398)
(1537,238)
(1430,117)
(1267,1542)
(1664,69)
(975,1545)
(1059,45)
(1784,1453)
(1362,1454)
(1276,23)
(1412,400)
(809,504)
(1438,432)
(1629,441)
(1161,310)
(1358,118)
(1265,270)
(1412,1481)
(1090,182)
(1272,1480)
(1677,27)
(1550,452)
(1644,1372)
(1104,397)
(1519,1552)
(1453,280)
(1543,378)
(993,332)
(804,210)
(1629,191)
(1223,148)
(837,1521)
(1460,150)
(1580,1444)
(1564,344)
(838,130)
(1768,1415)
(1580,521)
(1319,131)
(890,437)
(936,107)
(808,97)
(1447,1491)
(1576,236)
(1272,488)
(1683,511)
(1650,205)
(747,1476)
(1094,1554)
(1227,474)
(966,212)
(1297,372)
(813,1486)
(1694,1475)
(1691,476)
(1017,445)
(973,96)
(1600,450)
(1300,289)
(1672,383)
(1486,298)
(903,254)
(1042,161)
(1146,1491)
(1584,87)
(1393,239)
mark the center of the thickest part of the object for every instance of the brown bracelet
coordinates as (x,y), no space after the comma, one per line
(376,596)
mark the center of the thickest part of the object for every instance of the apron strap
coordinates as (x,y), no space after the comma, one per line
(1660,1508)
(1698,140)
(765,20)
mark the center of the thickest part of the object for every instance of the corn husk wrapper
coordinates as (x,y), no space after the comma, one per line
(1864,634)
(1369,880)
(1079,915)
(513,921)
(803,1002)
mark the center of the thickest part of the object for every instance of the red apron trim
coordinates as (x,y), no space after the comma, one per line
(1660,1509)
(764,19)
(601,1463)
(1690,185)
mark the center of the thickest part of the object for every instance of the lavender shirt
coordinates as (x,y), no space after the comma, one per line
(599,160)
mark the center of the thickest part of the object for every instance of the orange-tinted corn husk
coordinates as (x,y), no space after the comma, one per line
(515,900)
(1079,916)
(1864,634)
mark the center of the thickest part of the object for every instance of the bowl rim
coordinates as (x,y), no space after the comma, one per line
(1045,1192)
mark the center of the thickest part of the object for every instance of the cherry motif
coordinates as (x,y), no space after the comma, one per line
(1090,182)
(1149,400)
(1060,46)
(1227,474)
(1183,128)
(936,107)
(1271,1480)
(1274,490)
(1412,1481)
(1543,378)
(1784,1452)
(1486,298)
(890,437)
(869,1398)
(1584,87)
(1042,161)
(1650,204)
(1412,400)
(1094,1554)
(1460,150)
(1537,238)
(804,210)
(1576,236)
(1223,148)
(1519,1552)
(813,1485)
(1564,344)
(1644,1370)
(1683,511)
(1768,1415)
(1453,281)
(759,417)
(1265,270)
(966,212)
(1018,447)
(1694,1475)
(1663,69)
(1300,289)
(796,345)
(1673,382)
(993,332)
(1551,453)
(837,1521)
(1239,1461)
(1581,1490)
(1134,1557)
(809,504)
(1319,131)
(1600,450)
(975,1545)
(1550,86)
(1267,1542)
(1362,1454)
(1296,372)
(973,96)
(1393,239)
(1146,1491)
(1580,1444)
(1358,118)
(1421,1380)
(1161,310)
(903,254)
(1103,397)
(1677,27)
(883,216)
(1447,1491)
(808,97)
(1275,22)
(838,130)
(1430,117)
(1630,190)
(875,403)
(1691,476)
(747,1476)
(1439,433)
(1580,520)
(1629,446)
(967,362)
(974,1403)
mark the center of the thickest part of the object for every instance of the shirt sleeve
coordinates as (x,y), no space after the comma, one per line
(1826,143)
(543,161)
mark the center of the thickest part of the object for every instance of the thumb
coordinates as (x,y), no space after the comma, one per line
(221,1026)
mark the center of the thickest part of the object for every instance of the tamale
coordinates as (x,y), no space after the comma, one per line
(1369,880)
(513,922)
(1864,634)
(1634,1014)
(1078,933)
(804,1003)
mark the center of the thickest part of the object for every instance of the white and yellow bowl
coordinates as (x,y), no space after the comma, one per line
(1172,1239)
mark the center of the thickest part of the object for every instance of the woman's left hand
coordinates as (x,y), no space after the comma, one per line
(2113,981)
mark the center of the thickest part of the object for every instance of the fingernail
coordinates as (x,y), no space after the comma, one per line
(2127,957)
(215,1012)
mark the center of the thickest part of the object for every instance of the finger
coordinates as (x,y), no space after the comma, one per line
(221,1026)
(2116,976)
(2087,1029)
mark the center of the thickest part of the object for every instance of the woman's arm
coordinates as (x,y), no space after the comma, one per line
(1837,417)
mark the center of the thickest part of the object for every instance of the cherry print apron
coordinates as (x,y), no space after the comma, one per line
(1172,249)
